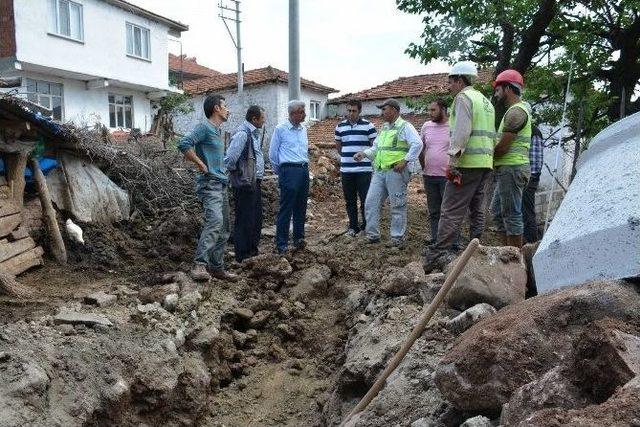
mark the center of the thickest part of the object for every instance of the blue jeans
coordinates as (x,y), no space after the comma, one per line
(506,206)
(215,232)
(293,181)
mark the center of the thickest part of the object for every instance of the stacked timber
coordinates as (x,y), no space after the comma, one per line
(18,251)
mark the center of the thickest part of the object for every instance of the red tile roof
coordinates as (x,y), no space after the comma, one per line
(251,77)
(323,131)
(190,67)
(408,87)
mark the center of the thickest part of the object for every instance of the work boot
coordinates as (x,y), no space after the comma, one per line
(515,241)
(221,274)
(299,245)
(199,273)
(432,259)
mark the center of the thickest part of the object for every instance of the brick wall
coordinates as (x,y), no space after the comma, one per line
(7,29)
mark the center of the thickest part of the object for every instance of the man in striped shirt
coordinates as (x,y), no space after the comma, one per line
(354,134)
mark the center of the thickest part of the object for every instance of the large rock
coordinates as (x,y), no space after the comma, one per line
(397,281)
(621,409)
(595,234)
(495,275)
(268,266)
(605,359)
(87,319)
(409,393)
(470,317)
(553,390)
(314,279)
(494,358)
(82,189)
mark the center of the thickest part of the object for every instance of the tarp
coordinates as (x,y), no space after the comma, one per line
(82,189)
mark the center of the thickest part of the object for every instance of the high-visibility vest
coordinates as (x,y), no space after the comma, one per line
(518,153)
(390,148)
(479,150)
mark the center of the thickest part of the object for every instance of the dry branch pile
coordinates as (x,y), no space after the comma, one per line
(157,179)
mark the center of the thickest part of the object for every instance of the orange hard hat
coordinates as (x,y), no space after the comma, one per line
(509,76)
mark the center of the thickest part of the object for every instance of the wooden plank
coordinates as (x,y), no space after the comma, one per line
(8,207)
(49,214)
(23,262)
(9,250)
(9,223)
(19,233)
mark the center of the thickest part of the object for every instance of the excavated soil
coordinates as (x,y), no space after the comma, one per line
(154,366)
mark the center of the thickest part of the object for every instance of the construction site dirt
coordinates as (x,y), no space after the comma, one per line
(122,336)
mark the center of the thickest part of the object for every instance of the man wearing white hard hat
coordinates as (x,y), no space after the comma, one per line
(472,126)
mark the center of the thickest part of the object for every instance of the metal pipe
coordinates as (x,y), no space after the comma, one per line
(563,125)
(294,50)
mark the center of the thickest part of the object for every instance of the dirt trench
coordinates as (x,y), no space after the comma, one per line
(277,348)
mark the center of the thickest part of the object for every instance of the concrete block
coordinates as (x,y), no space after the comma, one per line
(596,232)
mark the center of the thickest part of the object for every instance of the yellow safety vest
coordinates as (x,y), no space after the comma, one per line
(479,150)
(390,149)
(518,153)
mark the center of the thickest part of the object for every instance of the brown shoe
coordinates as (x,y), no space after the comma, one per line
(199,273)
(224,275)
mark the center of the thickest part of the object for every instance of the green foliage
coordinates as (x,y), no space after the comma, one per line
(176,102)
(543,39)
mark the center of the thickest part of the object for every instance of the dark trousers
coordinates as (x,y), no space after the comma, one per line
(457,202)
(355,185)
(248,221)
(529,209)
(434,189)
(294,192)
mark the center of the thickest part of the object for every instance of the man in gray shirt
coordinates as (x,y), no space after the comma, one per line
(244,157)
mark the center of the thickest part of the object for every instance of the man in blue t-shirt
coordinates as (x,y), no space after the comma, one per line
(204,148)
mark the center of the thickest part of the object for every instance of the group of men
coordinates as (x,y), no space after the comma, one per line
(459,153)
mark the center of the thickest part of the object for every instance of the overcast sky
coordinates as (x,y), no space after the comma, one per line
(349,45)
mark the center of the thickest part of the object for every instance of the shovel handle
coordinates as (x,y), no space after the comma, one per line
(417,331)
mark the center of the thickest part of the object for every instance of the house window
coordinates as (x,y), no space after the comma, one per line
(314,110)
(138,43)
(46,94)
(65,19)
(120,111)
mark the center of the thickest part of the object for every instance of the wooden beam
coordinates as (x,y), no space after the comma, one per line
(9,223)
(49,214)
(16,164)
(11,249)
(19,233)
(23,262)
(8,207)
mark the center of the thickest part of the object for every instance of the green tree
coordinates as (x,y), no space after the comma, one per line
(541,39)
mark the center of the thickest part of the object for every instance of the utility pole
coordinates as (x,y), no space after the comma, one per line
(294,50)
(236,39)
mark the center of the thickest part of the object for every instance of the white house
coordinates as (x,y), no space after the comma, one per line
(266,87)
(89,61)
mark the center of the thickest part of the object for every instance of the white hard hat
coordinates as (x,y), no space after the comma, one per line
(464,68)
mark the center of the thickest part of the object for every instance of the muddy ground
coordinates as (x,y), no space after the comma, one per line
(208,361)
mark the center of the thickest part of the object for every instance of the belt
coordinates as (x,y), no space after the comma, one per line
(294,165)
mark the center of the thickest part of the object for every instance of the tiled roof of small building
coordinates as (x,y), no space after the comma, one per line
(408,87)
(190,67)
(251,77)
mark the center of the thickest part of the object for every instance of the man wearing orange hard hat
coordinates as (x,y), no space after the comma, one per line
(511,157)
